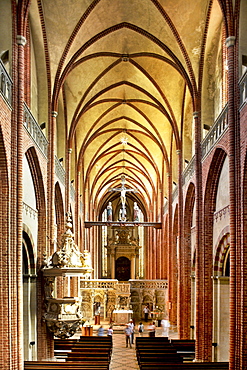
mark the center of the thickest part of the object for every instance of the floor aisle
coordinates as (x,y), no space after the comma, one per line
(125,358)
(122,358)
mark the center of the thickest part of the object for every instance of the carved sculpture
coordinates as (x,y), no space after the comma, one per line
(63,316)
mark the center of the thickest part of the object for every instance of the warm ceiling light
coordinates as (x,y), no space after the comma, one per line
(124,140)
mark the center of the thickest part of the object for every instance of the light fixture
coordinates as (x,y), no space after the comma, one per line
(124,140)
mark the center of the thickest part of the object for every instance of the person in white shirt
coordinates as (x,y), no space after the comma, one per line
(110,332)
(151,329)
(165,325)
(132,325)
(146,313)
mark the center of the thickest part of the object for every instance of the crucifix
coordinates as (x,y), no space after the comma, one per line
(123,190)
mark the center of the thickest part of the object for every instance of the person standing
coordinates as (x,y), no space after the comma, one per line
(101,331)
(132,325)
(146,313)
(151,329)
(165,325)
(110,331)
(140,329)
(127,331)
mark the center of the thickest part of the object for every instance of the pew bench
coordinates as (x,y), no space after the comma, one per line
(58,365)
(185,348)
(186,366)
(88,356)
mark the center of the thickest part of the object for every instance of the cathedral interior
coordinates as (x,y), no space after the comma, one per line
(123,172)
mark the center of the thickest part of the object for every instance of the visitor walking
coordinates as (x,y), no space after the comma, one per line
(127,331)
(110,331)
(132,325)
(146,313)
(140,329)
(165,327)
(151,329)
(101,331)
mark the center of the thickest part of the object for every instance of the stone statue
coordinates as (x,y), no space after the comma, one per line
(109,211)
(136,212)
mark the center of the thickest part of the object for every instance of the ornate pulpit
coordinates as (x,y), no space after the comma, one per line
(63,316)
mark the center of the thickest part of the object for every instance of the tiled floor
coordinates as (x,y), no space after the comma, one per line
(125,358)
(122,358)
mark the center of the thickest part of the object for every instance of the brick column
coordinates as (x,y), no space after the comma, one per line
(51,181)
(77,208)
(199,242)
(21,42)
(67,180)
(234,168)
(171,280)
(182,304)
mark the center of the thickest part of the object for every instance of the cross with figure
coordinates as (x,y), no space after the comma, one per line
(123,190)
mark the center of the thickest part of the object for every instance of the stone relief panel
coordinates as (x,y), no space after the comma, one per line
(134,294)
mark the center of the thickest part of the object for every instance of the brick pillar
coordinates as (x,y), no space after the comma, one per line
(182,303)
(234,167)
(77,208)
(51,181)
(199,242)
(171,282)
(18,310)
(67,180)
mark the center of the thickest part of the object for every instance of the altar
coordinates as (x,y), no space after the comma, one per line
(122,316)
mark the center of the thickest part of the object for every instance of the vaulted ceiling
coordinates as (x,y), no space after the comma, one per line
(123,76)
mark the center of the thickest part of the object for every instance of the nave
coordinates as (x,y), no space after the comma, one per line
(123,171)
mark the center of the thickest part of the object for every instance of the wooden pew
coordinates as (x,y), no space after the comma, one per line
(158,351)
(186,366)
(58,365)
(185,348)
(89,356)
(62,347)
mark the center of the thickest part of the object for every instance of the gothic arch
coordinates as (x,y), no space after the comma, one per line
(207,245)
(186,261)
(174,269)
(29,293)
(33,161)
(223,245)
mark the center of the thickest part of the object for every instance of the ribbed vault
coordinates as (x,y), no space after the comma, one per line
(124,77)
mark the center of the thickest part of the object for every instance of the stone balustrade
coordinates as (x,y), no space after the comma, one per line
(5,83)
(35,131)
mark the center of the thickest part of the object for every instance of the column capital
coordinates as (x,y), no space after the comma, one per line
(168,174)
(195,114)
(230,41)
(54,114)
(70,150)
(21,40)
(178,151)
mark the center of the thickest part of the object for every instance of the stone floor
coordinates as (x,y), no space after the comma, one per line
(125,358)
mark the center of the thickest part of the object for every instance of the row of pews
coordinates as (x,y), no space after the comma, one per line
(159,353)
(86,353)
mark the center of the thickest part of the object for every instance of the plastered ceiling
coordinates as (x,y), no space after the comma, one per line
(122,75)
